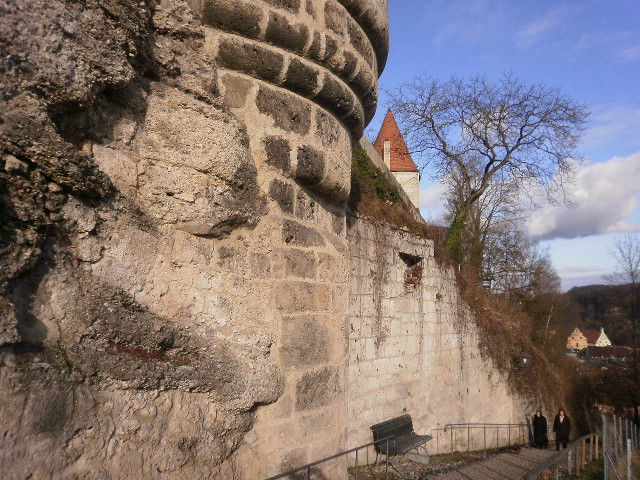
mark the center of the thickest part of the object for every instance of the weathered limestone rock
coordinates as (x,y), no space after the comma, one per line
(173,179)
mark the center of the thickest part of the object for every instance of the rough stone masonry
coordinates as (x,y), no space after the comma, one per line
(174,261)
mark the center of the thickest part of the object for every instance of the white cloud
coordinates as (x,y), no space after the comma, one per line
(432,202)
(618,46)
(628,54)
(571,271)
(465,20)
(617,124)
(605,194)
(540,27)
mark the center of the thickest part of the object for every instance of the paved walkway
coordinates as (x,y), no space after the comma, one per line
(504,466)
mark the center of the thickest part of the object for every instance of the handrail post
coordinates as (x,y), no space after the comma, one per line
(509,427)
(452,442)
(626,428)
(578,466)
(629,477)
(356,464)
(468,438)
(621,442)
(604,446)
(484,426)
(386,463)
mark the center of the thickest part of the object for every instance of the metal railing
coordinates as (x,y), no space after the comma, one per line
(620,439)
(309,471)
(569,461)
(471,437)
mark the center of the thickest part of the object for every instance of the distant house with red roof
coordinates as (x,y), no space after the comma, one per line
(392,148)
(582,338)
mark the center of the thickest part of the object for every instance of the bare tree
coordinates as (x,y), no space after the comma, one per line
(517,265)
(497,211)
(528,133)
(626,253)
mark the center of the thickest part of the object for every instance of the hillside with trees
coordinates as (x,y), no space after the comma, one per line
(604,306)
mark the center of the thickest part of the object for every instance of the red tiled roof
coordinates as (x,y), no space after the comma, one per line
(400,160)
(591,335)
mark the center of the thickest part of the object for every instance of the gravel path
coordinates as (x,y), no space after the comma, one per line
(504,466)
(510,465)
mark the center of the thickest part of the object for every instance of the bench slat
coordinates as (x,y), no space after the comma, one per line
(404,438)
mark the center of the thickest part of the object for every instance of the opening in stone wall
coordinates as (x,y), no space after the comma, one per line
(413,271)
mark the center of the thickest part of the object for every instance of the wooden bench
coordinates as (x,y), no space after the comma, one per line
(402,437)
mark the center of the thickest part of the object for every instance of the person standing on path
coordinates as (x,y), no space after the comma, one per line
(540,439)
(562,429)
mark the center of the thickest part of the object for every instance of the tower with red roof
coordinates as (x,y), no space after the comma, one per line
(391,146)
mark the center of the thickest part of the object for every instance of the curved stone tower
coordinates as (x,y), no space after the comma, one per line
(302,75)
(316,64)
(174,271)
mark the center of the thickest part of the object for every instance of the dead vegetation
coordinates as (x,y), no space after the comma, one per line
(505,334)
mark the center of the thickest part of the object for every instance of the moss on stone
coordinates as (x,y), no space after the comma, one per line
(366,174)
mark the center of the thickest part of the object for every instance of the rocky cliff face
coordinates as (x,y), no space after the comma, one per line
(172,188)
(108,366)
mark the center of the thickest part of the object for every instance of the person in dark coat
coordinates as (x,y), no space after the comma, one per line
(562,429)
(540,439)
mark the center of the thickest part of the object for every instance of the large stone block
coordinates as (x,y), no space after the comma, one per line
(289,113)
(278,152)
(310,167)
(306,341)
(298,263)
(292,297)
(287,34)
(252,59)
(296,234)
(233,16)
(283,194)
(317,388)
(301,77)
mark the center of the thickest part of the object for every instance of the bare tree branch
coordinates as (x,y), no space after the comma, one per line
(473,129)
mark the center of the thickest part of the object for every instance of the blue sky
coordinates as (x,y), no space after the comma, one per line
(591,49)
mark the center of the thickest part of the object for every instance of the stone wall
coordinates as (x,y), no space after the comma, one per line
(413,345)
(174,270)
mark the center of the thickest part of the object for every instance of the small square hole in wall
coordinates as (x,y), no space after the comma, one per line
(413,271)
(409,260)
